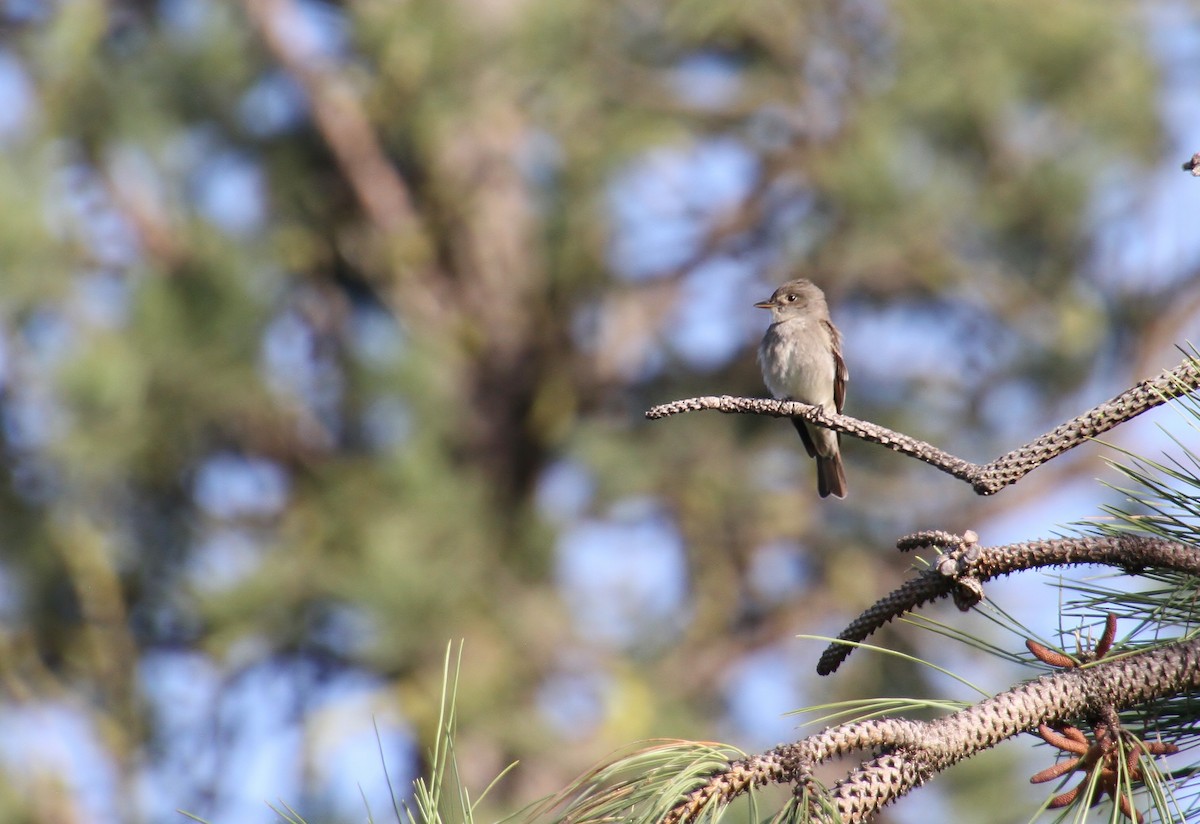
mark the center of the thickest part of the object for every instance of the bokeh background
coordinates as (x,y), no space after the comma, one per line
(326,332)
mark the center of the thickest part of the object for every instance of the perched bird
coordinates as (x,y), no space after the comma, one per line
(801,360)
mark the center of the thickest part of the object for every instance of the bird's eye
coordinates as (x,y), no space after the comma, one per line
(790,298)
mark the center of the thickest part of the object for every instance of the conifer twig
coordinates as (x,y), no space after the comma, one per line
(912,752)
(961,573)
(986,479)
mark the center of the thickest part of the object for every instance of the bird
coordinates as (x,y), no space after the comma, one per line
(801,360)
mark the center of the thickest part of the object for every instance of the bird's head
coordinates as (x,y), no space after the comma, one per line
(796,298)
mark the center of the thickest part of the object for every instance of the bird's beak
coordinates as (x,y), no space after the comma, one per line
(764,304)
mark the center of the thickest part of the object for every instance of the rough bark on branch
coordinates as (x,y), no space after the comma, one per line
(985,479)
(914,751)
(972,565)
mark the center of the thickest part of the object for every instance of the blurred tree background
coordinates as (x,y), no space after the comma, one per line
(326,329)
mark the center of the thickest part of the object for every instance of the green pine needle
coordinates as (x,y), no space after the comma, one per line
(643,785)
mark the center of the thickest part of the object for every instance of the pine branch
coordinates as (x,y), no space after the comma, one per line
(342,120)
(962,572)
(986,479)
(340,117)
(915,751)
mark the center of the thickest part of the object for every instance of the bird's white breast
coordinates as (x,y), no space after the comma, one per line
(796,358)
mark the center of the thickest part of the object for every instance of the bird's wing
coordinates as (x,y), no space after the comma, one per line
(840,374)
(809,446)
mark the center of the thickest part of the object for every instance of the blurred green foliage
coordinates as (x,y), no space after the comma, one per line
(193,270)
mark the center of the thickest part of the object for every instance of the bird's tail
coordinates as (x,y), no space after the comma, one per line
(831,476)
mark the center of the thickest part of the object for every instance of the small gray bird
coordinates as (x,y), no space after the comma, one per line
(801,360)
